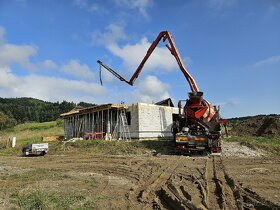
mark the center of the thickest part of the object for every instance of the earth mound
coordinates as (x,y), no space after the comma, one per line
(258,126)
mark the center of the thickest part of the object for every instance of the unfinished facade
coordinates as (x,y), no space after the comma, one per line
(92,122)
(118,121)
(150,121)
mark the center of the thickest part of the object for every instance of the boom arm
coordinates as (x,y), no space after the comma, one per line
(172,48)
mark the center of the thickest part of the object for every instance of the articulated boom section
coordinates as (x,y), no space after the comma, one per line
(200,122)
(164,35)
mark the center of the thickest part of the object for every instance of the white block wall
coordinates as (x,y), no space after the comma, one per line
(151,121)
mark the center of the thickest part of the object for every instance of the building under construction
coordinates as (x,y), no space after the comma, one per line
(120,121)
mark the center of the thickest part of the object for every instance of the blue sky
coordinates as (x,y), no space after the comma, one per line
(49,48)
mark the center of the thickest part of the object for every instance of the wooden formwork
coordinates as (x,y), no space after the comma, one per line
(92,120)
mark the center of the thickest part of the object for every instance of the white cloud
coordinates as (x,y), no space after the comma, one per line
(151,89)
(114,33)
(50,88)
(20,54)
(53,89)
(44,87)
(161,58)
(74,68)
(268,61)
(17,54)
(140,5)
(7,79)
(107,76)
(132,54)
(49,64)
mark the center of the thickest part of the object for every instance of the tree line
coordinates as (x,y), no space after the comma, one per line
(20,110)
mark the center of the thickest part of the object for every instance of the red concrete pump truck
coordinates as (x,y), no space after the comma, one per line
(199,121)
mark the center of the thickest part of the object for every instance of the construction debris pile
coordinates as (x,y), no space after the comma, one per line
(258,126)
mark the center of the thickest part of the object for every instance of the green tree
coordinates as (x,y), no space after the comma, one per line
(30,109)
(6,121)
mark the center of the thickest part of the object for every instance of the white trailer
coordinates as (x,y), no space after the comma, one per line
(35,149)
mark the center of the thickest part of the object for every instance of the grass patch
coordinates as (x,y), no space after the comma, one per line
(51,200)
(35,126)
(270,144)
(30,190)
(7,150)
(38,174)
(28,133)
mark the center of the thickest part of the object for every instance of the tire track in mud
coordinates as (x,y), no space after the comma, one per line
(169,182)
(224,193)
(159,182)
(248,199)
(219,193)
(183,192)
(155,178)
(180,186)
(170,186)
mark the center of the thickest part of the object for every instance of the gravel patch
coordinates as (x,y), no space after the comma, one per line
(234,149)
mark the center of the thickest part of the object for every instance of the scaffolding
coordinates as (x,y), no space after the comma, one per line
(98,122)
(121,130)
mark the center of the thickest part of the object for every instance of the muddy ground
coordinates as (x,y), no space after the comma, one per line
(148,181)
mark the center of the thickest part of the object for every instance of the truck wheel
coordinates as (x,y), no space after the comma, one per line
(178,152)
(25,153)
(43,153)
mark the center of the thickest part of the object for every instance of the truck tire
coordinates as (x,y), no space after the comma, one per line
(25,152)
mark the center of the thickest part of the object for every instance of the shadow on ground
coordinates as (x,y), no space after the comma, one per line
(167,147)
(164,147)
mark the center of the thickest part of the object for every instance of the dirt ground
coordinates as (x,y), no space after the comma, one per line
(149,181)
(258,126)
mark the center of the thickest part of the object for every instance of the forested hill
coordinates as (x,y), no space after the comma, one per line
(20,110)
